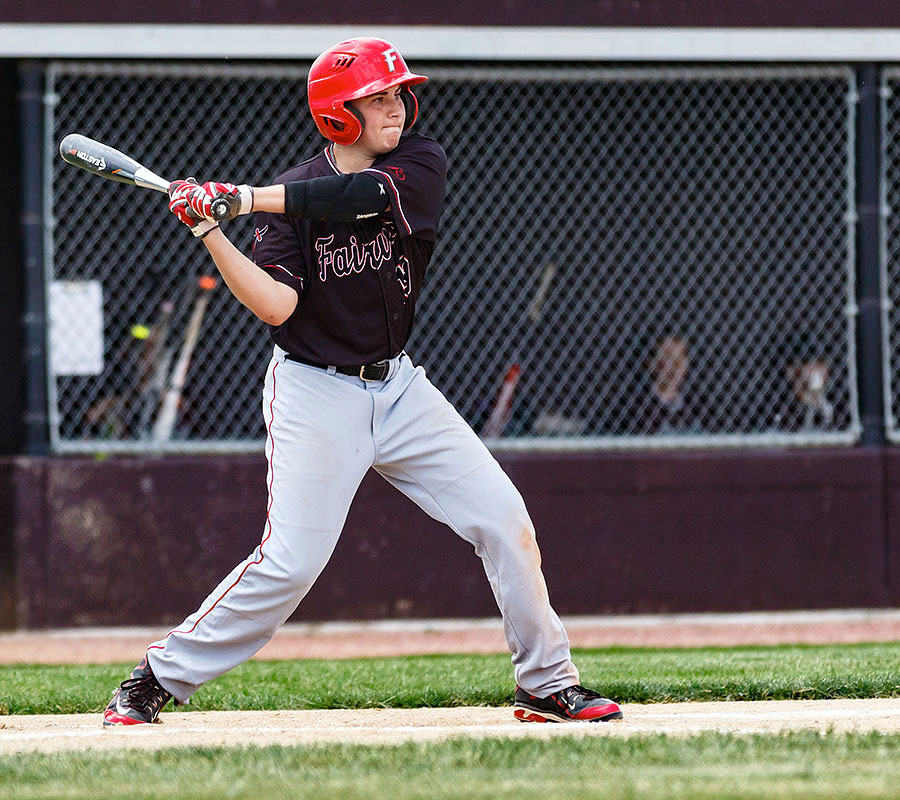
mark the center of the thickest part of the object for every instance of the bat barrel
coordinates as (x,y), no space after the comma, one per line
(107,162)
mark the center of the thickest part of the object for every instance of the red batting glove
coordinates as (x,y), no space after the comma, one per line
(199,200)
(183,196)
(213,188)
(230,200)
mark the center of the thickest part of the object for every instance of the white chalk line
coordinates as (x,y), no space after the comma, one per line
(812,716)
(141,730)
(643,722)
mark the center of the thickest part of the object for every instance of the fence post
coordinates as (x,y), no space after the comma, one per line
(868,254)
(34,322)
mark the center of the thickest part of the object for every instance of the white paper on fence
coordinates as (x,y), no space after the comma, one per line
(75,317)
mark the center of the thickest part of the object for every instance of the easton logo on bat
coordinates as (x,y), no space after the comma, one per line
(99,163)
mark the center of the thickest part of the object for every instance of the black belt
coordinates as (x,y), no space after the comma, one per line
(368,372)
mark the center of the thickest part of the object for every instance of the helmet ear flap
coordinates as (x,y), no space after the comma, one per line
(355,124)
(341,125)
(357,114)
(411,104)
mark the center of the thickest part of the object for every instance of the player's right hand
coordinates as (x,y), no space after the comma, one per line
(183,196)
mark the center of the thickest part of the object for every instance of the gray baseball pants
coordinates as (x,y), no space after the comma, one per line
(324,431)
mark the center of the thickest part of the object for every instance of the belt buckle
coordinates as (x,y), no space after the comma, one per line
(374,372)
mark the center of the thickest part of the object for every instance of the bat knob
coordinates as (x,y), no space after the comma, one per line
(221,209)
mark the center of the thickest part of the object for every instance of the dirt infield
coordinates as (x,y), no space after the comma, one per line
(391,726)
(417,637)
(384,726)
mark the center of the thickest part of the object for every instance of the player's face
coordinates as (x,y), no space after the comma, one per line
(384,115)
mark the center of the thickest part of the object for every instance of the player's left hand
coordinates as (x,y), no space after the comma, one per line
(226,201)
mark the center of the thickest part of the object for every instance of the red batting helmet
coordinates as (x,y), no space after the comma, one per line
(354,69)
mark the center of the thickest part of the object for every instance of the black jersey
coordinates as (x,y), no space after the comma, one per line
(358,282)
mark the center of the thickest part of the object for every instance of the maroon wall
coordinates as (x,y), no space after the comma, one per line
(141,541)
(7,550)
(732,13)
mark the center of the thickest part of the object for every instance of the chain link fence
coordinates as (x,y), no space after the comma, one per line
(629,257)
(890,250)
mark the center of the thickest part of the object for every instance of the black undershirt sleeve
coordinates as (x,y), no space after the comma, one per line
(336,198)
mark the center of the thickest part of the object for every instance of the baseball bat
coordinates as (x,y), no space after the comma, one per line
(493,428)
(160,359)
(502,407)
(171,400)
(107,162)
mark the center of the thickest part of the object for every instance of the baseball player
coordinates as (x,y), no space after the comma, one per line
(340,250)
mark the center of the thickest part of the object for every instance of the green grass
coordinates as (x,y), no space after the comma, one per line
(626,674)
(797,765)
(709,765)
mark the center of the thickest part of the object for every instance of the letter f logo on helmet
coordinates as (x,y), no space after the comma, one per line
(390,56)
(351,70)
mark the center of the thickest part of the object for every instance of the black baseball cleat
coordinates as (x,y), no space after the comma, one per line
(139,699)
(572,704)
